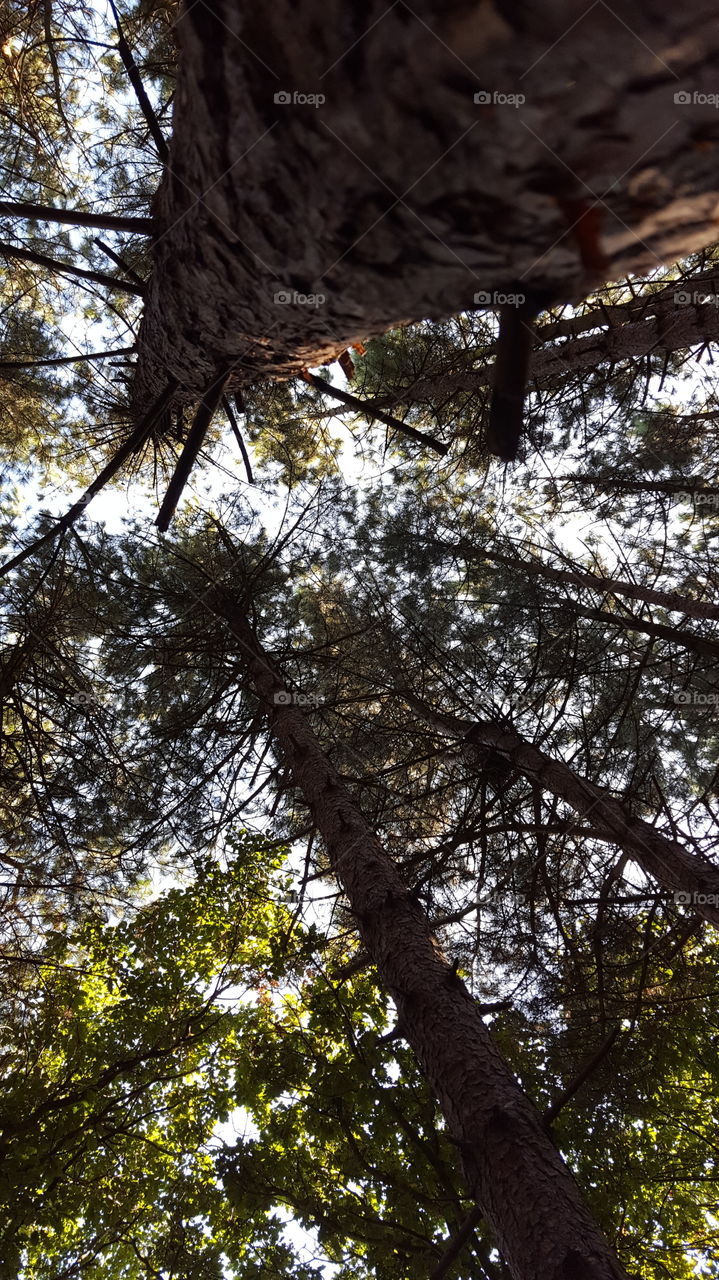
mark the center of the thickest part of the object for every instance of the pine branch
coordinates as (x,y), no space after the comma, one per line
(119,261)
(76,217)
(369,411)
(238,437)
(135,79)
(131,445)
(58,360)
(66,268)
(203,418)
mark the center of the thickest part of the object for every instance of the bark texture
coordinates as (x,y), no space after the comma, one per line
(512,1168)
(343,158)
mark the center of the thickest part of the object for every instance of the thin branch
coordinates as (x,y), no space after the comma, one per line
(135,79)
(575,1085)
(238,437)
(76,217)
(457,1243)
(119,262)
(369,411)
(131,445)
(205,413)
(58,360)
(66,268)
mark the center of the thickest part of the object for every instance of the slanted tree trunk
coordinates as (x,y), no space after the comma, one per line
(693,486)
(673,326)
(332,177)
(582,578)
(664,860)
(512,1168)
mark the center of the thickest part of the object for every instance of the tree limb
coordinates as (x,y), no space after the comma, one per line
(76,217)
(66,268)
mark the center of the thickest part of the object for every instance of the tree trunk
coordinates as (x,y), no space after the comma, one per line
(675,327)
(395,164)
(512,1168)
(585,579)
(687,874)
(692,486)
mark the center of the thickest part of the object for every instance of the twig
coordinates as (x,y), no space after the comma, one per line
(456,1243)
(573,1087)
(120,262)
(57,360)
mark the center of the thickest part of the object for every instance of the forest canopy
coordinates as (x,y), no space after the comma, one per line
(359,783)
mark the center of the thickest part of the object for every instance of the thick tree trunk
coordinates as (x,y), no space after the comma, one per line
(661,858)
(512,1168)
(332,176)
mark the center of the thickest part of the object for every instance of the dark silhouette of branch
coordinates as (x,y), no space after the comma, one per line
(205,413)
(76,217)
(575,1085)
(66,268)
(238,437)
(457,1243)
(58,360)
(120,262)
(135,79)
(131,445)
(369,411)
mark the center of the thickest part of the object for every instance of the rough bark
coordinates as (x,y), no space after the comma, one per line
(512,1168)
(664,860)
(399,197)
